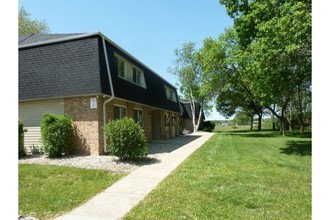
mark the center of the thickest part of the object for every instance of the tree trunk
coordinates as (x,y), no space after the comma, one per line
(282,127)
(273,117)
(259,121)
(289,117)
(301,114)
(199,117)
(251,127)
(283,122)
(302,127)
(193,109)
(290,123)
(274,127)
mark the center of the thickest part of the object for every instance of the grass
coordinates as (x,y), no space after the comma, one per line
(47,191)
(237,175)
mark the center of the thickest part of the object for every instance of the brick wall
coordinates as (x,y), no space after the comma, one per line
(88,125)
(130,110)
(130,113)
(147,122)
(89,122)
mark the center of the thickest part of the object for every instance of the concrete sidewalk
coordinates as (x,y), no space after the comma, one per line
(121,197)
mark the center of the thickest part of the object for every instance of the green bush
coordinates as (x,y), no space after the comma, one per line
(126,139)
(56,134)
(21,149)
(208,126)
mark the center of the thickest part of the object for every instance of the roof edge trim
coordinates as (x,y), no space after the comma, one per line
(59,40)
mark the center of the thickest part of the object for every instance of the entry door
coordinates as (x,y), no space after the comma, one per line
(155,119)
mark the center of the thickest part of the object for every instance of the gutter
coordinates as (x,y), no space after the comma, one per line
(110,99)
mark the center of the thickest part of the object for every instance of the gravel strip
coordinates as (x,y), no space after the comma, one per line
(106,162)
(103,162)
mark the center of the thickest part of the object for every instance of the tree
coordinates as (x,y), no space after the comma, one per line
(243,118)
(188,69)
(277,36)
(28,26)
(225,68)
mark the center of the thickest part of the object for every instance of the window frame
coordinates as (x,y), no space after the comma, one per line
(132,73)
(166,120)
(120,111)
(118,58)
(141,120)
(173,120)
(170,94)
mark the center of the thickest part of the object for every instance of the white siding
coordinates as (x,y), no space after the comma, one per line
(30,114)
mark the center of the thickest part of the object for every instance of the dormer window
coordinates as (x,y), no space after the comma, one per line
(121,67)
(170,94)
(137,76)
(129,72)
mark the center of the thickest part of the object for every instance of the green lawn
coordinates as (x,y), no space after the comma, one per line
(46,191)
(237,175)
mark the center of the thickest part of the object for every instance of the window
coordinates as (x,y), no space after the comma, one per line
(121,67)
(173,120)
(129,72)
(119,112)
(167,121)
(138,116)
(137,75)
(170,94)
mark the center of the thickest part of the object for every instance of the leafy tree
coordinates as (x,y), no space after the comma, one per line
(26,25)
(225,66)
(277,36)
(188,69)
(243,118)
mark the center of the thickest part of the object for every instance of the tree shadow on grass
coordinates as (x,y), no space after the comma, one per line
(266,133)
(141,162)
(302,148)
(252,133)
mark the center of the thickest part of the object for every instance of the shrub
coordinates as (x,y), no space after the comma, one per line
(56,134)
(126,139)
(208,126)
(21,149)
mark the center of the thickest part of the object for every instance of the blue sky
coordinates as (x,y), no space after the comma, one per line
(150,30)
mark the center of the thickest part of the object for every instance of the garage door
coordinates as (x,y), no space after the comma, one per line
(30,114)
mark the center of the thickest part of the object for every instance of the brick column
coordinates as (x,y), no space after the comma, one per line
(86,122)
(130,110)
(147,124)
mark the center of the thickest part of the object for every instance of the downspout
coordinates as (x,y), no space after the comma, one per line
(110,99)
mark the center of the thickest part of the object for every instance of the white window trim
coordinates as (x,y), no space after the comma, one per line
(173,116)
(125,68)
(128,72)
(170,91)
(120,106)
(140,109)
(168,120)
